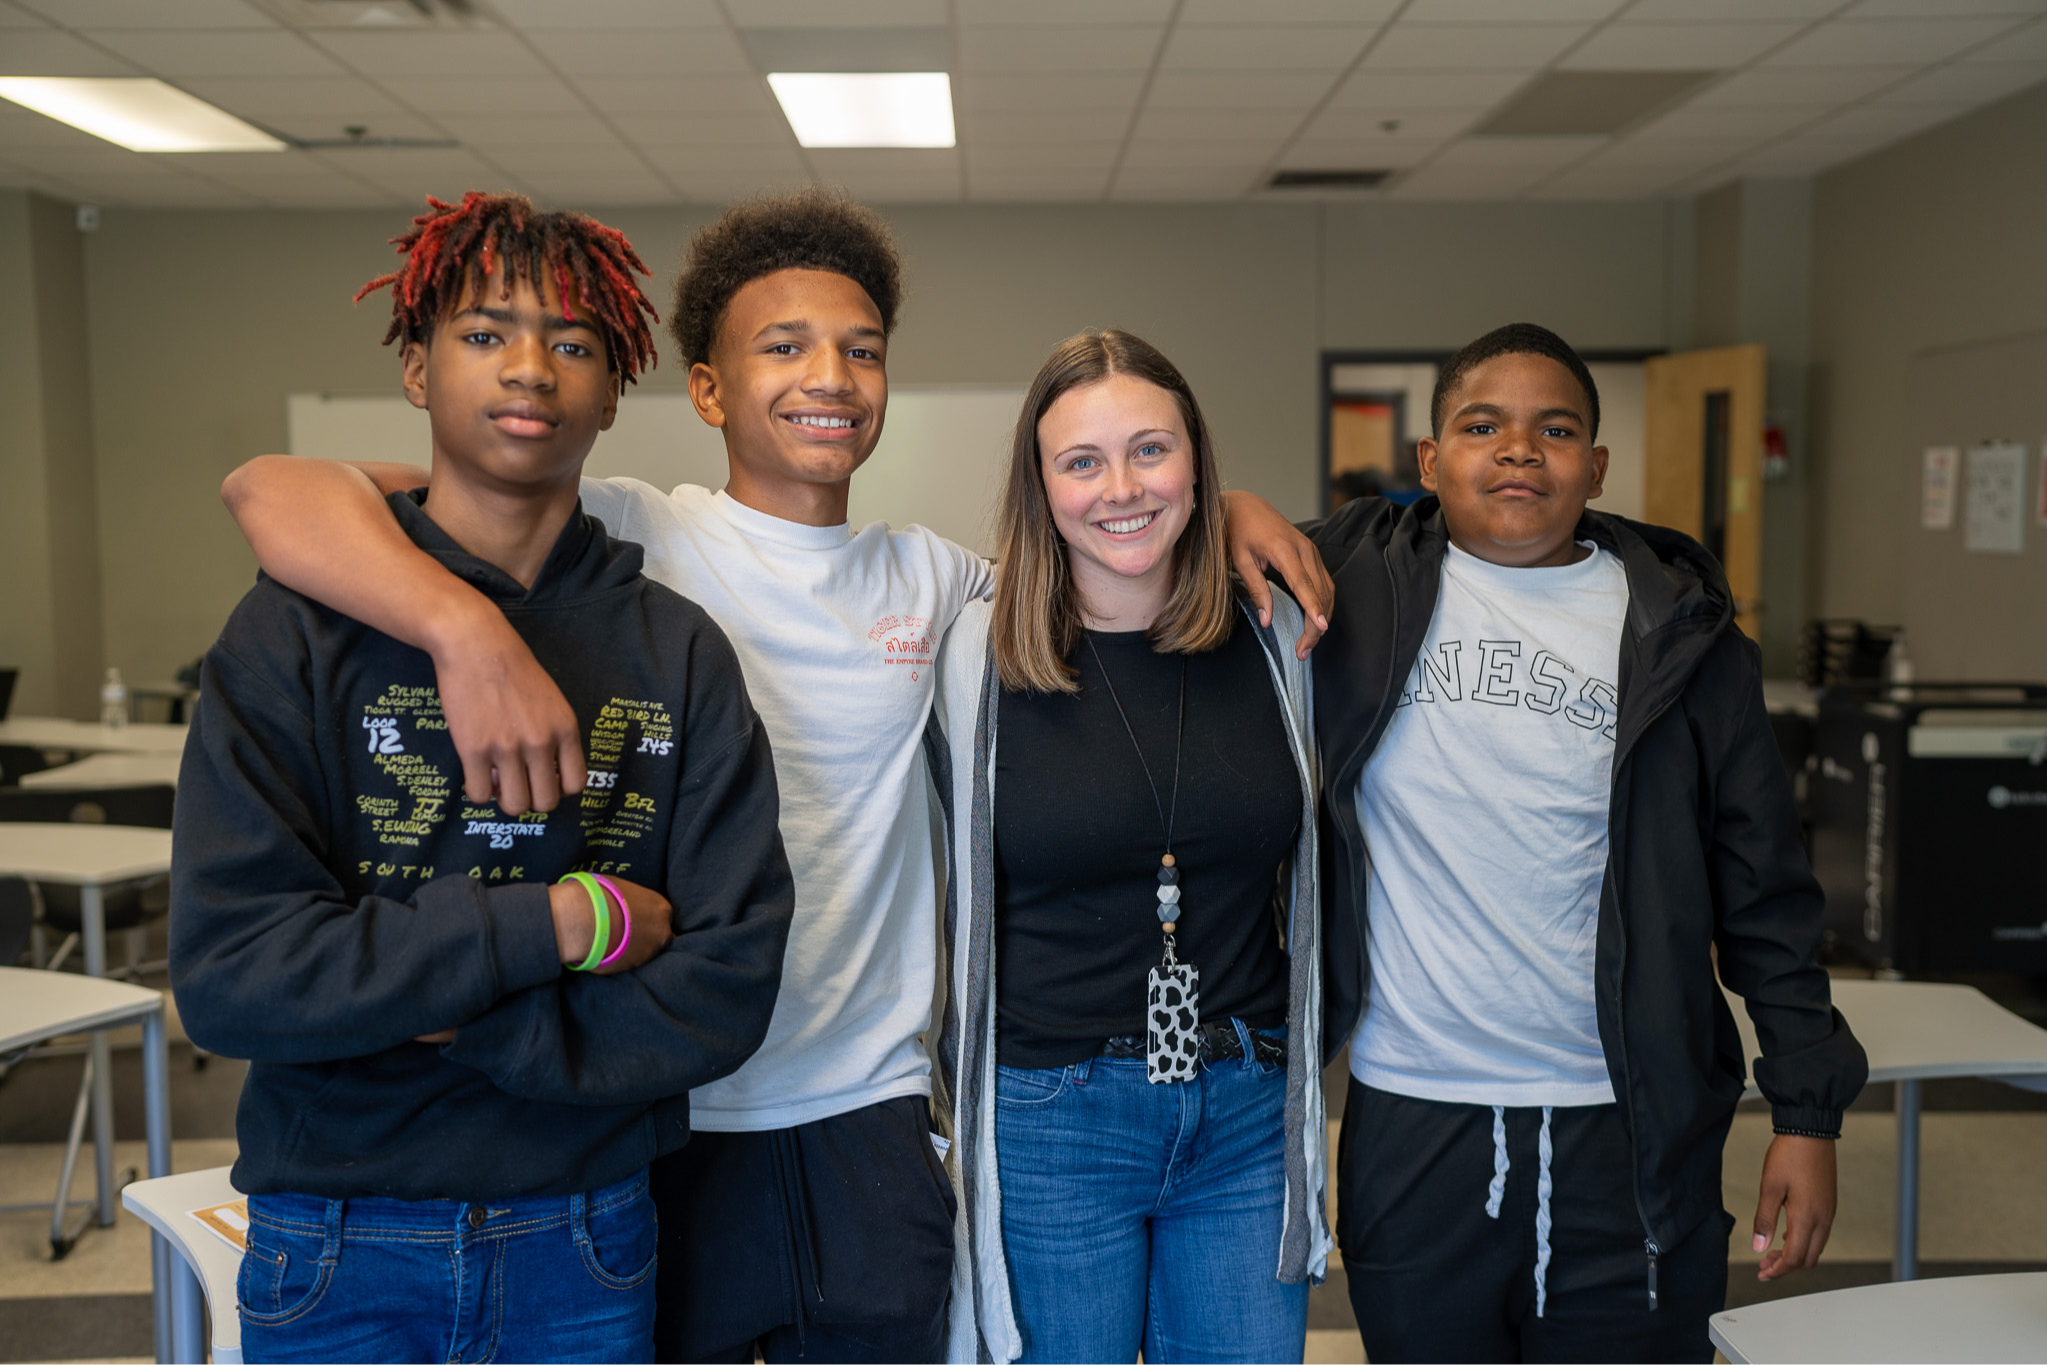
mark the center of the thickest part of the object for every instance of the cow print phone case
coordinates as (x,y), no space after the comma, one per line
(1172,1023)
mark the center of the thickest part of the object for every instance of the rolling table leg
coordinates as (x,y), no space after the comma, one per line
(1905,1260)
(180,1333)
(92,914)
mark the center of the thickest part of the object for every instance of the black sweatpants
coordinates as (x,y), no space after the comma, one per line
(1446,1262)
(830,1241)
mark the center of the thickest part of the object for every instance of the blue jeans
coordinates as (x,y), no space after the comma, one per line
(1140,1215)
(564,1277)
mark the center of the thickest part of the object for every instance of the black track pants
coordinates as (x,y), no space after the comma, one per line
(830,1241)
(1434,1276)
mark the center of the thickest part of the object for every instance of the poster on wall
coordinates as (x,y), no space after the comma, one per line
(1994,513)
(1937,487)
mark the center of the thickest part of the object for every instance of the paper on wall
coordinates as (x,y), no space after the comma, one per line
(1937,487)
(1996,498)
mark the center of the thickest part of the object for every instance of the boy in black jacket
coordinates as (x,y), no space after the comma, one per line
(1554,795)
(461,1071)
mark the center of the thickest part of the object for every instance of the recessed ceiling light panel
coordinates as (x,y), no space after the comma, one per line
(142,115)
(867,108)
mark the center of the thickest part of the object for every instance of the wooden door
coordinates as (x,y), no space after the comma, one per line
(1702,440)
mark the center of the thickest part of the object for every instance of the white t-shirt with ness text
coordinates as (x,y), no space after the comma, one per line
(836,632)
(1484,811)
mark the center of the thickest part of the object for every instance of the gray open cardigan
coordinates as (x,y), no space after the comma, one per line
(962,759)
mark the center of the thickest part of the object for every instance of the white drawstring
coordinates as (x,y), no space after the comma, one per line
(1542,1191)
(1498,1189)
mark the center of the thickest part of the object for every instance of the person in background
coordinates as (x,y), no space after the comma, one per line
(1132,1042)
(463,1061)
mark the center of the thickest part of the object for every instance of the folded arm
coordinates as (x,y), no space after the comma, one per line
(321,528)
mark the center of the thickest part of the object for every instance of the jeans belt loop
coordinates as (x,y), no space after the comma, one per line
(579,1220)
(330,1245)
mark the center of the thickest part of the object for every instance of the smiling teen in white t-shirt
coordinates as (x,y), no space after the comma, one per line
(809,1214)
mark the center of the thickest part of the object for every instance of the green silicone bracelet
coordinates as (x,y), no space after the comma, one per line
(600,905)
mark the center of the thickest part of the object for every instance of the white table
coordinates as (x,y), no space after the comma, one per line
(37,1006)
(109,770)
(165,1205)
(1966,1317)
(1915,1031)
(46,732)
(89,857)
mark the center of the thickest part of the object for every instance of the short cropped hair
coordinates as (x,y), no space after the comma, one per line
(1038,620)
(811,229)
(1516,338)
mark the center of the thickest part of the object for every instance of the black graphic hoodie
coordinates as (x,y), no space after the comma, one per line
(334,896)
(1703,848)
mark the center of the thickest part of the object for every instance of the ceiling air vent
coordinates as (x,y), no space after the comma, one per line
(1327,180)
(1590,103)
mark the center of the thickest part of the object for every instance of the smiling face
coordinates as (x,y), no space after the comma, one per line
(517,392)
(1119,472)
(798,383)
(1514,463)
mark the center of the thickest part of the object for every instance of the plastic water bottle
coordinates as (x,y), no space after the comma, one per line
(114,699)
(1898,667)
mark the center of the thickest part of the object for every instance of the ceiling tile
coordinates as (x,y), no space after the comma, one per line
(1018,125)
(1010,13)
(184,52)
(837,14)
(415,174)
(1820,87)
(1401,91)
(2028,44)
(581,192)
(37,52)
(1852,42)
(1262,12)
(1887,121)
(1943,9)
(261,97)
(610,14)
(151,13)
(1753,122)
(1508,11)
(1644,183)
(1806,155)
(1047,90)
(1368,125)
(1676,155)
(1305,47)
(473,53)
(726,164)
(1182,183)
(533,158)
(481,96)
(1438,181)
(1036,185)
(1968,83)
(705,127)
(1194,155)
(712,94)
(1381,153)
(1042,155)
(1516,153)
(532,130)
(14,16)
(1221,90)
(1194,125)
(1686,11)
(1062,49)
(334,126)
(1676,47)
(1520,47)
(645,52)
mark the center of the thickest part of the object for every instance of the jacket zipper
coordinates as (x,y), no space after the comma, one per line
(1654,1252)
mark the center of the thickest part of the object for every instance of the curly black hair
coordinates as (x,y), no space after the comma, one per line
(811,229)
(1516,338)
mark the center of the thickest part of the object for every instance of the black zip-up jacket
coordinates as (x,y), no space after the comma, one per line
(334,896)
(1703,847)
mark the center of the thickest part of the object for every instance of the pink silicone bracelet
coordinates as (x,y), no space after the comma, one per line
(625,918)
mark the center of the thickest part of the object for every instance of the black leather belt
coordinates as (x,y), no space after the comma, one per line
(1219,1043)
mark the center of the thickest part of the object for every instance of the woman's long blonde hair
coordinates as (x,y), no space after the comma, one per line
(1038,619)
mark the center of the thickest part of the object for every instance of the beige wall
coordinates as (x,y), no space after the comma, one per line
(202,322)
(1934,243)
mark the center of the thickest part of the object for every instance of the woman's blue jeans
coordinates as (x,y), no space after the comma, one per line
(1147,1216)
(567,1277)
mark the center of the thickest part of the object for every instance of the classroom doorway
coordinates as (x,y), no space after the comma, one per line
(1703,438)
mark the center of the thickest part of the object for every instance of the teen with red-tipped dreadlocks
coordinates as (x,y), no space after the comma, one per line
(464,1059)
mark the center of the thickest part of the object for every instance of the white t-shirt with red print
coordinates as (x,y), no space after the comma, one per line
(836,630)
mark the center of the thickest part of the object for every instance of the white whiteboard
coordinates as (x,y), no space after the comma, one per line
(941,461)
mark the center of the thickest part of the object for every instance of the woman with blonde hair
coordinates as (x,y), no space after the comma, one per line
(1130,1049)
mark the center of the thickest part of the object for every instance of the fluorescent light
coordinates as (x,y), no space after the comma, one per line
(142,115)
(867,109)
